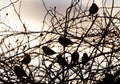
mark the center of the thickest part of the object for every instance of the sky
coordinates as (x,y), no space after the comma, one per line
(33,11)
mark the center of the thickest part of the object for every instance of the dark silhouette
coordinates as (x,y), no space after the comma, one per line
(64,41)
(85,58)
(48,51)
(19,72)
(61,60)
(75,57)
(117,81)
(108,79)
(26,59)
(57,43)
(93,9)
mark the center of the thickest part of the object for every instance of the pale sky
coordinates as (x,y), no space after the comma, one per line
(33,11)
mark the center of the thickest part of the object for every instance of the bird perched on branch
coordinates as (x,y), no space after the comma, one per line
(48,51)
(20,73)
(61,60)
(64,41)
(85,58)
(75,57)
(93,9)
(26,60)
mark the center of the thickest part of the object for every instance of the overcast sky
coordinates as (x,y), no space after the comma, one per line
(33,11)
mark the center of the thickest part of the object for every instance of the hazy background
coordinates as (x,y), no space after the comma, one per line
(32,11)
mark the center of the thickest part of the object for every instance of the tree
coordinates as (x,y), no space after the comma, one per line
(97,35)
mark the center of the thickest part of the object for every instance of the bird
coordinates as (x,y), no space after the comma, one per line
(64,41)
(85,58)
(20,73)
(93,9)
(61,60)
(48,51)
(75,57)
(26,59)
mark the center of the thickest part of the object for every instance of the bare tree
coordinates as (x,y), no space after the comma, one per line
(93,40)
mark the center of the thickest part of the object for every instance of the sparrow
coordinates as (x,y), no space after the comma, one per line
(64,41)
(26,60)
(85,58)
(20,73)
(48,51)
(61,60)
(93,9)
(75,57)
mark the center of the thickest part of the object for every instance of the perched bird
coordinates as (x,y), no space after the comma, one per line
(75,57)
(64,41)
(48,51)
(26,59)
(85,58)
(93,9)
(20,73)
(61,60)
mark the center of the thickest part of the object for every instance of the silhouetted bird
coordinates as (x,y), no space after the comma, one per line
(85,58)
(19,72)
(93,9)
(75,57)
(61,60)
(48,51)
(64,41)
(26,59)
